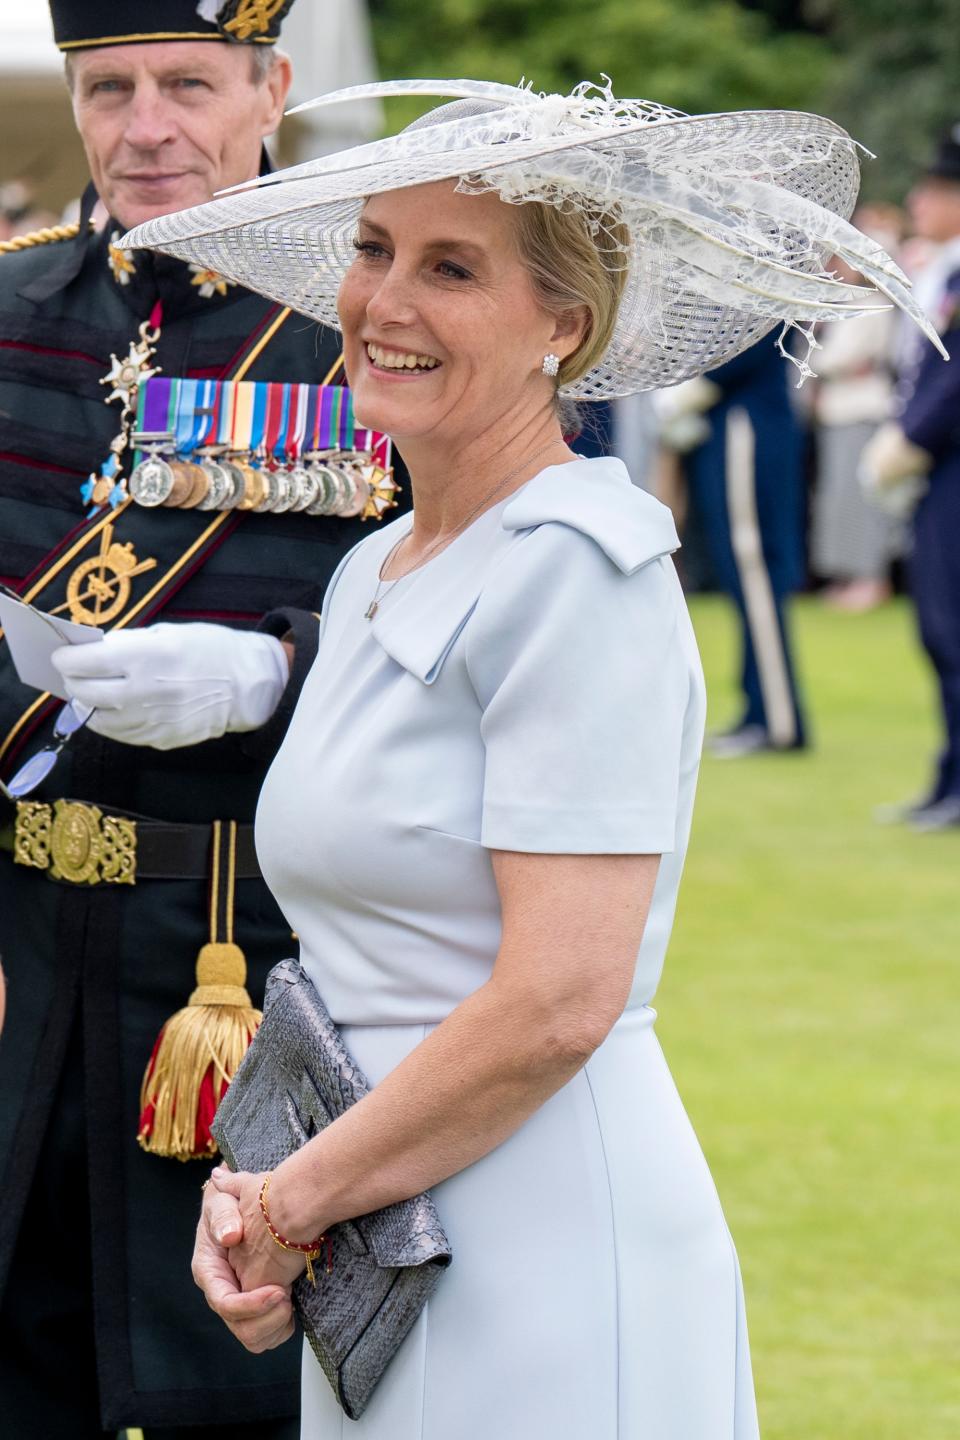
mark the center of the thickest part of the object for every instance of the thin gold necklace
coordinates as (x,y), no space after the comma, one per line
(384,587)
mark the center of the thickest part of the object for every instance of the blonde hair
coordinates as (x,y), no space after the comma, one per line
(576,260)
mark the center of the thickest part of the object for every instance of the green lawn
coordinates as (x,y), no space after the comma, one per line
(809,1012)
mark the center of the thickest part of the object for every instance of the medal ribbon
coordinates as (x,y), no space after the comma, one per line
(258,419)
(313,418)
(255,416)
(298,426)
(273,422)
(227,390)
(212,428)
(185,424)
(282,442)
(154,408)
(346,429)
(324,420)
(241,430)
(205,413)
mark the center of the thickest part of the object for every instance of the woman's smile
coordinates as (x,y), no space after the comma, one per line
(405,364)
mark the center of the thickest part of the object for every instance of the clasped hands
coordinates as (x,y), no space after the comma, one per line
(246,1278)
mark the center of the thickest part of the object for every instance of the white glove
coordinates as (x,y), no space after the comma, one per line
(173,685)
(681,413)
(892,470)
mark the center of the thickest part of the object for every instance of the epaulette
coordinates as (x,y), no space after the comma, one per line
(40,237)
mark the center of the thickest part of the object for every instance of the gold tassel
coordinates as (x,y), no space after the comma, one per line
(198,1050)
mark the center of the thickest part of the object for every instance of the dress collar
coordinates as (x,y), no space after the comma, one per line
(419,622)
(598,498)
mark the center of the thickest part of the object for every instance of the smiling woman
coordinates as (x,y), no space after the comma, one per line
(167,125)
(444,340)
(478,819)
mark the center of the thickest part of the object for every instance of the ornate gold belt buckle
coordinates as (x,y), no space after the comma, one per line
(76,842)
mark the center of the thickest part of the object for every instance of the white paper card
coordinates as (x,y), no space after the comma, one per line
(33,636)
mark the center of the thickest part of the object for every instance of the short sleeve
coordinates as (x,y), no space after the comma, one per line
(584,681)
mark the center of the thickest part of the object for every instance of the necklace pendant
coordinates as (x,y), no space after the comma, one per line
(371,609)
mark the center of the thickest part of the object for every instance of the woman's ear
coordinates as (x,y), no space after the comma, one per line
(570,330)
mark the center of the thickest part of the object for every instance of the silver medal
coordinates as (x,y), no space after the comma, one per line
(237,483)
(307,486)
(288,491)
(273,490)
(330,491)
(152,482)
(218,485)
(348,488)
(361,491)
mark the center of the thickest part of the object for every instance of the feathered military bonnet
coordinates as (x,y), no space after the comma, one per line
(731,218)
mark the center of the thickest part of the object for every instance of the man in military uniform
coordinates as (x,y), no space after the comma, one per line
(96,1233)
(921,450)
(742,450)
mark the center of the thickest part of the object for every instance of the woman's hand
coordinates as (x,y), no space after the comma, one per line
(256,1258)
(261,1318)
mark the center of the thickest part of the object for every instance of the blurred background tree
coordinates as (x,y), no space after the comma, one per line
(893,82)
(702,55)
(886,69)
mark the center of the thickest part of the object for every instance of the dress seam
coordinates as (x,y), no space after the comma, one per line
(425,1319)
(613,1233)
(736,1332)
(423,1368)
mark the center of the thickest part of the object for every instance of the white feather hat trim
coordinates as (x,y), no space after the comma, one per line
(732,217)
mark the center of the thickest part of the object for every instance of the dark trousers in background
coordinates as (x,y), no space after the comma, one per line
(934,574)
(746,482)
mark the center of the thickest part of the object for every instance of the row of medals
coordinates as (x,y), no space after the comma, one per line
(321,483)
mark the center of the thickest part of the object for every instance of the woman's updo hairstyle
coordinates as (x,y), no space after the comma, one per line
(576,259)
(575,256)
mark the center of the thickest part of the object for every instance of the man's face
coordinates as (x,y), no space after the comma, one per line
(934,205)
(166,125)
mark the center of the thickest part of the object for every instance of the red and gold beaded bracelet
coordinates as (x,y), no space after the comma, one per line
(310,1250)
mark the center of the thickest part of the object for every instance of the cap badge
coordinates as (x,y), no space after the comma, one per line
(247,19)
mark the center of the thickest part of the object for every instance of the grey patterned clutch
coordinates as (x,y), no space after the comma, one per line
(294,1080)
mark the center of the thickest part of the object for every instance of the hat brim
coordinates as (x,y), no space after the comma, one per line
(733,218)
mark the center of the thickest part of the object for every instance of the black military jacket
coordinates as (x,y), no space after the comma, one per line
(118,960)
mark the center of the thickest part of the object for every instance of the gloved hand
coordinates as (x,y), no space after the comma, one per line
(173,685)
(892,470)
(681,413)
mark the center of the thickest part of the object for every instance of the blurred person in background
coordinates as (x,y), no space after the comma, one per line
(919,454)
(18,213)
(741,448)
(852,541)
(172,105)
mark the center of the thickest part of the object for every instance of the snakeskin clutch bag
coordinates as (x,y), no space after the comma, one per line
(294,1080)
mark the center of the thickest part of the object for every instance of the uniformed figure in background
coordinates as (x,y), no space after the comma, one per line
(920,453)
(742,453)
(102,916)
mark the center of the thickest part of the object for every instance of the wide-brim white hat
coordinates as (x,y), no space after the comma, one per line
(732,217)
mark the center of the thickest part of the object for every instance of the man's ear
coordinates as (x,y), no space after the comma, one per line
(276,86)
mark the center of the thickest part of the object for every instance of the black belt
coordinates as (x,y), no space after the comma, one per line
(78,843)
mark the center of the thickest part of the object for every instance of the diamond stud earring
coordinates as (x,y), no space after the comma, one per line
(551,364)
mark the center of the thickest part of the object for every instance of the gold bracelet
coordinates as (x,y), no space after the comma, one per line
(310,1250)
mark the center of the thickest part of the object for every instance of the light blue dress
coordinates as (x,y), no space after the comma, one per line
(534,687)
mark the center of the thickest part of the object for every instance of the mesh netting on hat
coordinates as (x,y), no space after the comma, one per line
(732,218)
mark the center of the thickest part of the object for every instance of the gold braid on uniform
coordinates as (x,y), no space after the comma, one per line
(40,237)
(198,1050)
